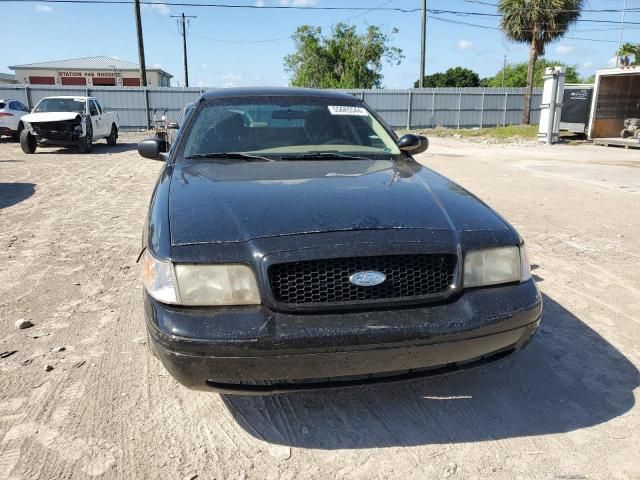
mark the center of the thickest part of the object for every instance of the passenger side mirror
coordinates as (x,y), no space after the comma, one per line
(173,125)
(413,144)
(152,148)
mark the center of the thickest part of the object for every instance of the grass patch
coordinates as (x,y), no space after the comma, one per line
(527,132)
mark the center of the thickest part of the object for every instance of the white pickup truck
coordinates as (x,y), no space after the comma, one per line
(68,121)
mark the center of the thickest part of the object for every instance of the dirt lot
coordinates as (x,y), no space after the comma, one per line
(70,228)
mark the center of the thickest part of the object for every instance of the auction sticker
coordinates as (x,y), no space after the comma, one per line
(347,110)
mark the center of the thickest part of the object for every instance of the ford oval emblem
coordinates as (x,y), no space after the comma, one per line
(368,278)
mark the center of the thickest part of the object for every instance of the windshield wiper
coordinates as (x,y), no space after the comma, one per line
(230,155)
(322,156)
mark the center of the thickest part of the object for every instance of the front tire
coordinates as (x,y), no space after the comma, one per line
(28,142)
(113,136)
(625,133)
(85,143)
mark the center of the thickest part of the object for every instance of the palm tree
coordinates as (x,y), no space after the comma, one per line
(537,23)
(630,49)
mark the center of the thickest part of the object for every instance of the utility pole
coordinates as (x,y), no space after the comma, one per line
(143,68)
(423,41)
(624,10)
(183,21)
(504,69)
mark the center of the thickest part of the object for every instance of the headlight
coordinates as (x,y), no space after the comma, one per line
(217,285)
(158,278)
(206,285)
(496,265)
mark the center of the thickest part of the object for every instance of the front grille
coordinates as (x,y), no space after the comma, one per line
(63,130)
(327,280)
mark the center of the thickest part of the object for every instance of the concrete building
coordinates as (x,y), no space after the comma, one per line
(90,71)
(7,78)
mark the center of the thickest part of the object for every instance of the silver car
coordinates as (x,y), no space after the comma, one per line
(11,112)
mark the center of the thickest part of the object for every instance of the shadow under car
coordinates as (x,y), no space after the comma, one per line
(568,378)
(13,193)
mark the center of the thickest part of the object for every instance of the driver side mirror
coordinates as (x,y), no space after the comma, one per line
(413,144)
(152,148)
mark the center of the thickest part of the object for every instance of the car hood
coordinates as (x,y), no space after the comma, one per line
(49,117)
(222,201)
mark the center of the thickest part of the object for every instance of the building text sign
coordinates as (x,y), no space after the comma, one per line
(89,74)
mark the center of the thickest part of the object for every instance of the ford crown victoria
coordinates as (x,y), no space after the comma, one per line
(308,248)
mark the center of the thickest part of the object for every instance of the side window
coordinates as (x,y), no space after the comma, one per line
(14,106)
(99,107)
(93,110)
(23,107)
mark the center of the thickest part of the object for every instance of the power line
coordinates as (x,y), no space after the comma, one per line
(221,5)
(277,39)
(489,27)
(562,10)
(313,8)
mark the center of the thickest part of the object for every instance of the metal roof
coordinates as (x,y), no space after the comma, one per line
(7,76)
(85,63)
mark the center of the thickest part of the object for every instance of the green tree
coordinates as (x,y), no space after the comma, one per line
(537,23)
(453,77)
(344,59)
(630,50)
(515,75)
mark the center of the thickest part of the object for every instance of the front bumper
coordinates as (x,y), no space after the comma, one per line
(253,350)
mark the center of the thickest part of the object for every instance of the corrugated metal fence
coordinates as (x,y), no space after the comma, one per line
(429,107)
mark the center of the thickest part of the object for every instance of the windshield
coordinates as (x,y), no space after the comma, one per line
(60,105)
(287,126)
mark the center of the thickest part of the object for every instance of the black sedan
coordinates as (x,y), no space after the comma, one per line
(307,248)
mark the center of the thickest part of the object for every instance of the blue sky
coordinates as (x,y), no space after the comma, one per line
(57,31)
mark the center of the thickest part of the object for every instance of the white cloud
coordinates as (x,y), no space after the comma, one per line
(464,45)
(204,65)
(156,65)
(229,84)
(612,62)
(231,77)
(586,65)
(298,3)
(563,49)
(259,3)
(43,8)
(158,8)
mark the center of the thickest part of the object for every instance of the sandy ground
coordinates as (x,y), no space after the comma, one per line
(70,228)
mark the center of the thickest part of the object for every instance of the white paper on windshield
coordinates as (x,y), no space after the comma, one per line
(348,110)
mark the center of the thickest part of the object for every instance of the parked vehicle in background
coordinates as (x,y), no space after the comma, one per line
(68,121)
(11,113)
(310,249)
(631,128)
(161,128)
(174,127)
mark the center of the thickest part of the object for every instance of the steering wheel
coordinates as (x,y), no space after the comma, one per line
(337,141)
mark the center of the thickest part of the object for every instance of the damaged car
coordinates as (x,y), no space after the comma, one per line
(68,121)
(309,249)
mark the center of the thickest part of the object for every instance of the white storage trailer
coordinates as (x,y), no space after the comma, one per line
(616,97)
